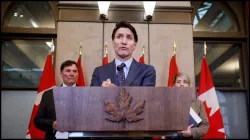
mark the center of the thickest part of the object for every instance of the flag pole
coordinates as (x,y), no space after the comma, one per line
(52,46)
(143,49)
(174,48)
(80,49)
(205,49)
(106,48)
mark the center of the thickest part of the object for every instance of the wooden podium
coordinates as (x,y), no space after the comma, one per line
(82,109)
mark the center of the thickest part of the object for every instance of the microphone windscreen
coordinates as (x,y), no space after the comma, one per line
(119,68)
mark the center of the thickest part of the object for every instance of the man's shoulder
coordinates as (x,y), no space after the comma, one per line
(104,66)
(47,93)
(145,66)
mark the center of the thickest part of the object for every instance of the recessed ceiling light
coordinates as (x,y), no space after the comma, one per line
(21,15)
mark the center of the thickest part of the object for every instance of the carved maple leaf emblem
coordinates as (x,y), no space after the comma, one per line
(124,111)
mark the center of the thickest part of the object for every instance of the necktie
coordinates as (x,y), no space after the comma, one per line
(121,76)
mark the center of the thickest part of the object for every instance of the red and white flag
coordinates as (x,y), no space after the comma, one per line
(47,82)
(209,98)
(80,80)
(105,58)
(141,60)
(173,70)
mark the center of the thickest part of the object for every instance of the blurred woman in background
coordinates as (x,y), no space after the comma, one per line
(183,80)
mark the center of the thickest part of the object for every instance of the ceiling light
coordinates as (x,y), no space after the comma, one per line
(149,7)
(103,9)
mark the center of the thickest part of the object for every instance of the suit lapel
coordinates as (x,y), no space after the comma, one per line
(133,71)
(112,72)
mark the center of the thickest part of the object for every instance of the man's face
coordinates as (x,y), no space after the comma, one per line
(124,43)
(69,75)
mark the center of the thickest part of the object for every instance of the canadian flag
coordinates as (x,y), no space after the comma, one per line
(209,98)
(141,60)
(80,80)
(47,82)
(173,70)
(105,59)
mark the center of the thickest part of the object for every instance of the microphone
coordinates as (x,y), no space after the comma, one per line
(119,68)
(120,71)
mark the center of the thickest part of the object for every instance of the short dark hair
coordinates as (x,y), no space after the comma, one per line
(124,24)
(68,63)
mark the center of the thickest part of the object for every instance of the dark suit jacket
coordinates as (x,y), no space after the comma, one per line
(138,75)
(46,115)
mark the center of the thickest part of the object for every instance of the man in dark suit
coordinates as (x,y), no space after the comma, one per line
(124,38)
(45,119)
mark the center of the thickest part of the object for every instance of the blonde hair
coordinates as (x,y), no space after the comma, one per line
(182,75)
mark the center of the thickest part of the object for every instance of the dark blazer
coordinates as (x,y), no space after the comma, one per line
(138,75)
(46,115)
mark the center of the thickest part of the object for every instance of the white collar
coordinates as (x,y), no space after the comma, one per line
(69,86)
(127,63)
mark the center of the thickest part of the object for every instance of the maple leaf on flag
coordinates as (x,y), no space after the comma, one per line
(124,111)
(211,121)
(47,82)
(207,95)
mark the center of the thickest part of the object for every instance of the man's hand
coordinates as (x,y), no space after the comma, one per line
(187,133)
(108,83)
(55,125)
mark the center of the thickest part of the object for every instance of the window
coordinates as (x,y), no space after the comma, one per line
(23,62)
(221,25)
(30,15)
(213,17)
(28,28)
(223,61)
(234,113)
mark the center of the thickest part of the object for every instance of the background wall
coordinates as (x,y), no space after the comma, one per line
(16,107)
(68,37)
(162,37)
